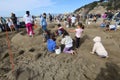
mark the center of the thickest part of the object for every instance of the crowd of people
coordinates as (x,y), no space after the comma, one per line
(11,23)
(69,20)
(67,42)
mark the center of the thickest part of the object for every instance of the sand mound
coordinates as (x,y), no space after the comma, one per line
(34,62)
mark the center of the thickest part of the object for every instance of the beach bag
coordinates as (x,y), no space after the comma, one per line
(58,51)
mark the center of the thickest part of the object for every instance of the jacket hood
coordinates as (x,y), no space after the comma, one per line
(97,39)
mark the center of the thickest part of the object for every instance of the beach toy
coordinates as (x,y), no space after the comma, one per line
(58,51)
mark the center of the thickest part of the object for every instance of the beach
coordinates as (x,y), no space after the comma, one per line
(36,63)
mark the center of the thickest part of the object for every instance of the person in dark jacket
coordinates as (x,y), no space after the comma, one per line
(3,24)
(14,20)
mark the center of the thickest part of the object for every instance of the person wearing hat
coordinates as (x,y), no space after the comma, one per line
(98,48)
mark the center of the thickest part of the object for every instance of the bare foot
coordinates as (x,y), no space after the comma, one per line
(92,52)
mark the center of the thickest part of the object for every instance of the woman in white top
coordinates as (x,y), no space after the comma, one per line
(28,21)
(99,48)
(68,42)
(73,19)
(10,24)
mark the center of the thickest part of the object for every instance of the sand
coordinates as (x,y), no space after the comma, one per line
(34,62)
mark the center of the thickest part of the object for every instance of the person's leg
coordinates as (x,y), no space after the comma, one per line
(66,50)
(44,28)
(0,28)
(27,25)
(10,28)
(29,32)
(31,29)
(16,27)
(77,42)
(3,27)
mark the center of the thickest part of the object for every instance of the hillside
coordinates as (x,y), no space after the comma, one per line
(106,4)
(33,61)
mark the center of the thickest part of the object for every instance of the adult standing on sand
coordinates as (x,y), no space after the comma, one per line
(3,23)
(28,21)
(14,20)
(73,19)
(43,22)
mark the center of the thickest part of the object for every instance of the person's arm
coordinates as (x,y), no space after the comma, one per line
(94,49)
(72,30)
(63,41)
(54,46)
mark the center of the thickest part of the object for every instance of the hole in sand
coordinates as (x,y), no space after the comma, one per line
(21,52)
(38,56)
(5,56)
(32,50)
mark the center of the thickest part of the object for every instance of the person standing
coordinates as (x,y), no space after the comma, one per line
(69,21)
(3,23)
(79,31)
(10,24)
(43,22)
(28,21)
(14,20)
(50,17)
(73,19)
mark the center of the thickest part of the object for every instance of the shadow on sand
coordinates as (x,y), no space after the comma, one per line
(111,72)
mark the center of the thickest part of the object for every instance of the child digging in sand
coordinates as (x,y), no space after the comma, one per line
(111,27)
(60,30)
(68,42)
(46,35)
(51,44)
(79,31)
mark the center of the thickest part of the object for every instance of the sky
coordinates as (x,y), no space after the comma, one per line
(37,7)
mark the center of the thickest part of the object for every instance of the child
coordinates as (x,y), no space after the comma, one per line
(68,42)
(60,30)
(103,24)
(99,48)
(79,31)
(51,44)
(29,23)
(10,24)
(46,35)
(111,27)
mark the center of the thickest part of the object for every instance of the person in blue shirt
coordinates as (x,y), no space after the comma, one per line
(43,22)
(51,44)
